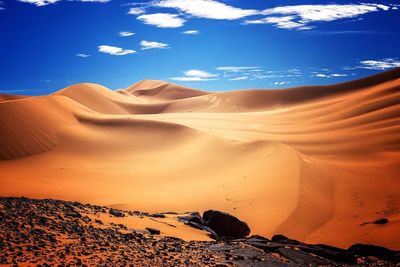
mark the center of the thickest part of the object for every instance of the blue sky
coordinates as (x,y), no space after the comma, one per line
(212,45)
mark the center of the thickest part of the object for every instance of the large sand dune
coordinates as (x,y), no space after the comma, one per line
(312,163)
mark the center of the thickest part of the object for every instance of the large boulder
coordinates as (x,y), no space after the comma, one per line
(225,225)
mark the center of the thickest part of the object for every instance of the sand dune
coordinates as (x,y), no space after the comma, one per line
(7,97)
(310,162)
(154,90)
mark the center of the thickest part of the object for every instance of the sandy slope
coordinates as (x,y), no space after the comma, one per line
(311,162)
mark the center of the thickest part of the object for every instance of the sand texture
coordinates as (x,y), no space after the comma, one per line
(313,163)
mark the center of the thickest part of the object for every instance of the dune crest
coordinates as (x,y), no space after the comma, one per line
(154,90)
(313,163)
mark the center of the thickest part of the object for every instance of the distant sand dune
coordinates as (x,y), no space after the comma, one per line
(159,90)
(310,162)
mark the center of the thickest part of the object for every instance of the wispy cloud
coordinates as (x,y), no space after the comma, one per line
(162,20)
(281,83)
(115,51)
(241,78)
(152,45)
(83,55)
(136,11)
(322,75)
(47,2)
(285,22)
(39,2)
(301,17)
(191,32)
(383,64)
(126,33)
(209,9)
(275,77)
(236,69)
(240,73)
(196,76)
(16,91)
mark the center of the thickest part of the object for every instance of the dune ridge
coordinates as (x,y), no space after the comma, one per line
(307,162)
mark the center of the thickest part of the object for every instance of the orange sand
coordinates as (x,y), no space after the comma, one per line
(312,163)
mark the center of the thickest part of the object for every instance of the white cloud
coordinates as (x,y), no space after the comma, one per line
(241,78)
(126,33)
(82,55)
(39,2)
(135,11)
(196,75)
(280,83)
(191,32)
(47,2)
(338,75)
(383,64)
(152,45)
(190,79)
(322,75)
(284,22)
(115,51)
(325,12)
(209,9)
(237,69)
(199,73)
(162,20)
(300,16)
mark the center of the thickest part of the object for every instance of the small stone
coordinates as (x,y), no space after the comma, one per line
(153,231)
(116,213)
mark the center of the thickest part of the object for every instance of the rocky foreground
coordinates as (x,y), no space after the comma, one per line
(61,233)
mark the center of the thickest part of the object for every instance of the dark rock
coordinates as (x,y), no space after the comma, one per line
(225,225)
(329,252)
(267,247)
(73,214)
(301,257)
(381,221)
(378,221)
(153,231)
(324,251)
(285,240)
(257,238)
(42,220)
(193,217)
(157,215)
(116,213)
(372,250)
(196,221)
(171,213)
